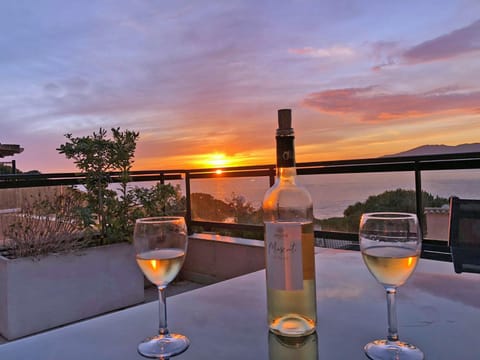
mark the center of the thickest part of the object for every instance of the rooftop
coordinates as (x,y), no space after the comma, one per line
(9,150)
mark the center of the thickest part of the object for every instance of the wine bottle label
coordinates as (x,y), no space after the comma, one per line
(285,153)
(283,243)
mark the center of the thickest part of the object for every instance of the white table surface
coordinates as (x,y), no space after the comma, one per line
(438,310)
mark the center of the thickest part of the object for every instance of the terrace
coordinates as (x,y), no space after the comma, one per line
(218,250)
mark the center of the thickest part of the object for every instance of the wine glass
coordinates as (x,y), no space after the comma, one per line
(391,244)
(160,246)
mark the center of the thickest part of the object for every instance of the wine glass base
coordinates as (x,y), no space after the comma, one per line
(163,346)
(392,350)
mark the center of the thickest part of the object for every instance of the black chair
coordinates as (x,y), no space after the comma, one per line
(464,234)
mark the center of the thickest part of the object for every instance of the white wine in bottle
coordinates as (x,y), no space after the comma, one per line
(289,243)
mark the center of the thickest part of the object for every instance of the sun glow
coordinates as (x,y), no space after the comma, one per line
(219,160)
(216,160)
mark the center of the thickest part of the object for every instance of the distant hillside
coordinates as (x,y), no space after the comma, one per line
(439,149)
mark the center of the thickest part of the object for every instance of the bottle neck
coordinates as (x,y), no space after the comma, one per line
(286,175)
(285,151)
(286,158)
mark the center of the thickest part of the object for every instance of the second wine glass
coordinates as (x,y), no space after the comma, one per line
(160,246)
(391,245)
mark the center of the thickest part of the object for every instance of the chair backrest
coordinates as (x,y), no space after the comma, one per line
(464,234)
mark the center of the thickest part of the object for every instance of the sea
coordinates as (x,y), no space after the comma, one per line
(333,193)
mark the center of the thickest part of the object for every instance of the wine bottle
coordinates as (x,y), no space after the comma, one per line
(289,243)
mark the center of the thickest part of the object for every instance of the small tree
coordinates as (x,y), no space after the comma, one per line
(96,156)
(243,211)
(206,207)
(122,153)
(159,200)
(393,200)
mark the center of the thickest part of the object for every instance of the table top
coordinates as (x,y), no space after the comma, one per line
(438,310)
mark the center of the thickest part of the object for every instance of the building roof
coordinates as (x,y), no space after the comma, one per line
(9,150)
(445,209)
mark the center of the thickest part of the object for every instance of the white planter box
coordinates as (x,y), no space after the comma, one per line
(36,295)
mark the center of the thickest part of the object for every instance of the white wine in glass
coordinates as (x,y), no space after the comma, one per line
(161,266)
(391,245)
(160,246)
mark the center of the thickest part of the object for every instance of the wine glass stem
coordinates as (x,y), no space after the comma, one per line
(162,311)
(392,314)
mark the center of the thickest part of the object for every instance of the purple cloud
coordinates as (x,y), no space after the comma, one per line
(371,105)
(455,43)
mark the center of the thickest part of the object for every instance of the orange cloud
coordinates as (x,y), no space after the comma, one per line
(370,105)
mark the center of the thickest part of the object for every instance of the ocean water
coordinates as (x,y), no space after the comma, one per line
(333,193)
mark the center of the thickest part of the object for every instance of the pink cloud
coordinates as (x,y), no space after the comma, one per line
(457,42)
(331,52)
(371,105)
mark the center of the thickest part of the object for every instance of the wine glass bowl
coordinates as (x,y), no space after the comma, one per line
(160,245)
(390,244)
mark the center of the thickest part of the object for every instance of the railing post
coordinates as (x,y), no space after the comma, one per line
(14,167)
(418,195)
(272,176)
(162,182)
(188,215)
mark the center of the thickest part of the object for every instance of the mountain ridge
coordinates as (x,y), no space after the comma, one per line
(438,149)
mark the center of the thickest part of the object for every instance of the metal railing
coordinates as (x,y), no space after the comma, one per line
(416,164)
(431,248)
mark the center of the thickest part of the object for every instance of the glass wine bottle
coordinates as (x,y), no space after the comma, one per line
(289,243)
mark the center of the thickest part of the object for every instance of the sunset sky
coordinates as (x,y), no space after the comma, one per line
(202,80)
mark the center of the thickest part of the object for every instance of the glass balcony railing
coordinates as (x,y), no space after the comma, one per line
(228,200)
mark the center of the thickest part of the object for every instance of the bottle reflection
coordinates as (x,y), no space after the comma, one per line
(292,348)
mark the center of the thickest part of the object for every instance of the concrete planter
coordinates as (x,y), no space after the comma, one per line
(213,258)
(36,295)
